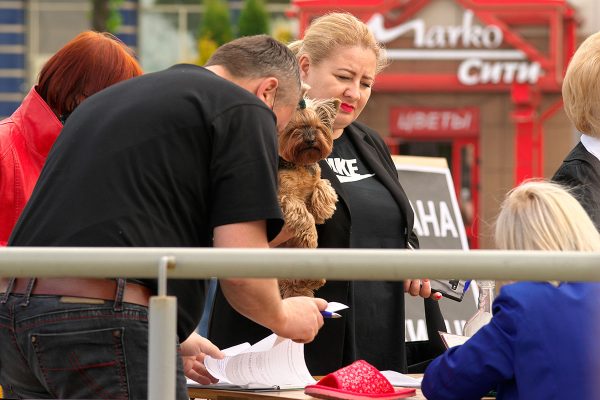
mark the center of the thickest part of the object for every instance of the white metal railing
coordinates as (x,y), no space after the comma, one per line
(349,264)
(287,263)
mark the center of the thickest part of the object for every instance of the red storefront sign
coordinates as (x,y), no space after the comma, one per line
(421,122)
(518,47)
(484,50)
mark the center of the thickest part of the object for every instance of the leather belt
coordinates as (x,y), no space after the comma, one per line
(103,289)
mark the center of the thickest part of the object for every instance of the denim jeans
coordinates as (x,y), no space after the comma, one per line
(56,347)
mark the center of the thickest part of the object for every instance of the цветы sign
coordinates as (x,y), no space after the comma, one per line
(439,122)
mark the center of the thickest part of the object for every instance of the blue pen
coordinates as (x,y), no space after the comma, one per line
(329,314)
(467,284)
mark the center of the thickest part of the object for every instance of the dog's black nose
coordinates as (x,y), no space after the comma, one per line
(310,142)
(309,135)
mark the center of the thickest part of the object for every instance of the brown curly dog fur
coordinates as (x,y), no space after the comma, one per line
(305,198)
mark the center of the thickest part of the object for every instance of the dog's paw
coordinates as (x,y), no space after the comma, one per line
(296,215)
(323,201)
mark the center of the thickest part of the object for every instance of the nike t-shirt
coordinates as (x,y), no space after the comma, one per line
(377,222)
(376,218)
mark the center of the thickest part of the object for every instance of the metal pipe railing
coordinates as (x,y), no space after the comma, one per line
(349,264)
(345,264)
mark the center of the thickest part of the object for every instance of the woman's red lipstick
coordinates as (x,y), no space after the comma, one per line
(346,107)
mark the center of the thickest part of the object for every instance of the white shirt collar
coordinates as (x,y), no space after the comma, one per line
(591,144)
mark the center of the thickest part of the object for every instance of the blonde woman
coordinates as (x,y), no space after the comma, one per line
(542,340)
(581,96)
(340,58)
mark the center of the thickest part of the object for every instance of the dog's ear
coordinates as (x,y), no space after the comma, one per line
(327,110)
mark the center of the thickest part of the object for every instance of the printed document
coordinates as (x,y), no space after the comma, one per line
(273,362)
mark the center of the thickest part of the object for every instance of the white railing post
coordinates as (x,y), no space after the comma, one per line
(162,339)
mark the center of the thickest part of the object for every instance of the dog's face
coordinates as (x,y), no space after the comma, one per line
(308,137)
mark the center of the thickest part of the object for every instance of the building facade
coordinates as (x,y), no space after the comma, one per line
(475,81)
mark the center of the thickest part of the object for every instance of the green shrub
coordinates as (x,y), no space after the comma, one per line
(254,19)
(206,46)
(216,23)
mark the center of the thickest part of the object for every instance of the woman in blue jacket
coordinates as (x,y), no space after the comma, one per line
(542,340)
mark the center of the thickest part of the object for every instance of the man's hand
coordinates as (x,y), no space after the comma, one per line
(419,287)
(193,351)
(296,318)
(300,318)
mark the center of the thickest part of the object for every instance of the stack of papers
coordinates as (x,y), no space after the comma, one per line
(273,363)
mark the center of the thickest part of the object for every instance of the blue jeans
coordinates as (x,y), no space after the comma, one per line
(55,347)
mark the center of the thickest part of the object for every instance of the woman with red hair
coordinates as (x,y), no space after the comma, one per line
(87,64)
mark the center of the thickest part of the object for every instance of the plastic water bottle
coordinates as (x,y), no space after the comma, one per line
(483,315)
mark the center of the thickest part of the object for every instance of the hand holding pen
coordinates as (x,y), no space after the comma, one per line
(332,307)
(329,314)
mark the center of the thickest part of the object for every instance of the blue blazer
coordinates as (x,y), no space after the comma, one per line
(542,343)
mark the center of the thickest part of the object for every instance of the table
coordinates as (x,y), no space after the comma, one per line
(219,394)
(277,395)
(213,394)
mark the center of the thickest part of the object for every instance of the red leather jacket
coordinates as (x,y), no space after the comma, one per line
(25,140)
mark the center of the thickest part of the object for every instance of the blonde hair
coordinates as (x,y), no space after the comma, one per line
(540,215)
(581,87)
(331,31)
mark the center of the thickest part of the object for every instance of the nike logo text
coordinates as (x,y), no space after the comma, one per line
(346,170)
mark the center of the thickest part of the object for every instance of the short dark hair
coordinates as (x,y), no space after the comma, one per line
(260,56)
(87,64)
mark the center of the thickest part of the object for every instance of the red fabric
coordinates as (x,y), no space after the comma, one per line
(359,380)
(358,377)
(25,140)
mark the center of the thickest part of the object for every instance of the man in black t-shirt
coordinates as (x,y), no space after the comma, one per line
(185,157)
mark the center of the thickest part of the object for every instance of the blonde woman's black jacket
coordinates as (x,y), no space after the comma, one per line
(580,171)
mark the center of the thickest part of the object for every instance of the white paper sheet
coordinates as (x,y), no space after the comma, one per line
(272,361)
(451,340)
(334,306)
(398,379)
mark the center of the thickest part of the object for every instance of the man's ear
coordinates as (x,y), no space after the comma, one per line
(267,89)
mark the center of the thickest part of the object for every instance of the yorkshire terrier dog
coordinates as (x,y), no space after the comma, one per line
(305,198)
